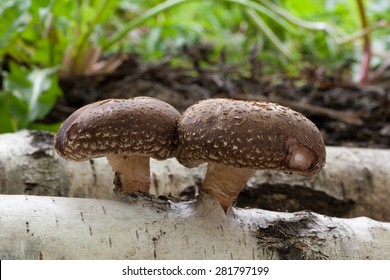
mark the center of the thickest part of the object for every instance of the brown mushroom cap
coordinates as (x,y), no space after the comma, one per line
(249,134)
(126,131)
(140,126)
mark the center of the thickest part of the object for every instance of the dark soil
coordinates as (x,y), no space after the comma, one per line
(346,113)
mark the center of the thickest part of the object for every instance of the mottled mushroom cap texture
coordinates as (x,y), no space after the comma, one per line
(249,134)
(140,126)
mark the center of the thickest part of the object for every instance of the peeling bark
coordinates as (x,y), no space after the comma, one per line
(143,227)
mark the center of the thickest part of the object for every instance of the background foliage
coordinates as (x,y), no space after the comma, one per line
(44,40)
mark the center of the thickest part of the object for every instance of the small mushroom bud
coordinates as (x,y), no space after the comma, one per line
(237,137)
(126,131)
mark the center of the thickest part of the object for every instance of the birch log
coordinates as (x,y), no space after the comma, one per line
(354,182)
(29,165)
(33,227)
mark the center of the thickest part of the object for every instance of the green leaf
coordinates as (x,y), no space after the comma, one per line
(43,126)
(13,20)
(33,93)
(16,82)
(7,123)
(44,92)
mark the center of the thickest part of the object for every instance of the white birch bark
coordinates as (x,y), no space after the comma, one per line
(357,179)
(33,227)
(29,165)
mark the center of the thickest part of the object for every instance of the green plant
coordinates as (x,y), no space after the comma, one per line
(39,42)
(42,40)
(28,96)
(318,30)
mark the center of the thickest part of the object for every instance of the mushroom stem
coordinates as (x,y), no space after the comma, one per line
(225,182)
(132,173)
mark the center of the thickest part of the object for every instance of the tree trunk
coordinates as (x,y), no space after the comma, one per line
(144,227)
(354,182)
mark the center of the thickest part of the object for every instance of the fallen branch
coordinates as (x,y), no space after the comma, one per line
(353,118)
(29,165)
(354,182)
(147,228)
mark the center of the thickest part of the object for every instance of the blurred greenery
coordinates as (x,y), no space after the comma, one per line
(44,40)
(31,94)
